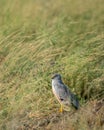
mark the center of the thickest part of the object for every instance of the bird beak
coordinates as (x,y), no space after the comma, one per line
(53,76)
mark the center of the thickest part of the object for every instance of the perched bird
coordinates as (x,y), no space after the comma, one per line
(63,93)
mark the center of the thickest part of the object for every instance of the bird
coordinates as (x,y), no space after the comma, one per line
(63,93)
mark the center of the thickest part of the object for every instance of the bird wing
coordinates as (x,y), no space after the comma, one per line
(62,92)
(67,96)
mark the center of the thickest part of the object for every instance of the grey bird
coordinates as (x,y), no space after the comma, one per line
(63,93)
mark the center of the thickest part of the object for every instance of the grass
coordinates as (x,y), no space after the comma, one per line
(40,38)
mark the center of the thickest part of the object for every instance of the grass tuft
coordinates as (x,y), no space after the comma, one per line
(40,38)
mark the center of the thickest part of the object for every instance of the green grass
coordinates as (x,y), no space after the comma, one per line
(39,38)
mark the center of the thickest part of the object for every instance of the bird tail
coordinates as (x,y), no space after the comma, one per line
(74,101)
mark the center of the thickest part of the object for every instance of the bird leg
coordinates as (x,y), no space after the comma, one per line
(61,108)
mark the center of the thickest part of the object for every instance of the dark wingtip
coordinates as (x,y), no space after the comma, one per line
(76,107)
(75,103)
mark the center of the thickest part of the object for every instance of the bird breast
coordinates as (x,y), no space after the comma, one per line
(54,89)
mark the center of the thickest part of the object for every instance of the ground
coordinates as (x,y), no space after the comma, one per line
(39,38)
(88,117)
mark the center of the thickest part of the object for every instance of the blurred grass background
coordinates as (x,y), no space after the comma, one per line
(41,37)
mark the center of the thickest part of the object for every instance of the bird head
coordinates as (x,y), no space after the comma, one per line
(56,76)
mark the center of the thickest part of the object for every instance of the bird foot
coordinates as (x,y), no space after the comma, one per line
(61,109)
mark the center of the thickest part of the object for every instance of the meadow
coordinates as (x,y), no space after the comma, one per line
(39,38)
